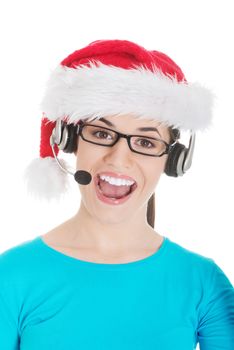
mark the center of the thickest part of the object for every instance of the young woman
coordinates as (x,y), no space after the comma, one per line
(105,279)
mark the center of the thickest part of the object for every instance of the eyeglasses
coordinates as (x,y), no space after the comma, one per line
(148,146)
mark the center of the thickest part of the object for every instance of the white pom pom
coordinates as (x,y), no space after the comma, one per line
(45,179)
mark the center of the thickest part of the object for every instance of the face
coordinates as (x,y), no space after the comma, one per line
(145,170)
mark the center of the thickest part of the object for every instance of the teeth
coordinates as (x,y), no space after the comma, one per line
(117,182)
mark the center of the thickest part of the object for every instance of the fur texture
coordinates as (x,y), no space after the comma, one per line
(101,90)
(45,180)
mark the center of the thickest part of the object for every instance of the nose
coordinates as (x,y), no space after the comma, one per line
(120,152)
(121,146)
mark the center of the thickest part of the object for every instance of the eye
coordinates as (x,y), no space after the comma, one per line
(145,143)
(100,132)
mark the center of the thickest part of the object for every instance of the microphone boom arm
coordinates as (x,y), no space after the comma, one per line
(52,143)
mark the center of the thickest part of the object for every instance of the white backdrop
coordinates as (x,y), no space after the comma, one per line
(195,210)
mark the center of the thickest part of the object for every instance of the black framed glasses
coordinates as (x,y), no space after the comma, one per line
(102,136)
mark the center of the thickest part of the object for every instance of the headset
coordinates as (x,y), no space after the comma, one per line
(179,157)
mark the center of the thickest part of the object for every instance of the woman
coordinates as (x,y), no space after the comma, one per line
(105,279)
(129,233)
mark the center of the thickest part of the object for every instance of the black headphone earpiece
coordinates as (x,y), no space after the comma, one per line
(175,160)
(179,157)
(70,145)
(67,139)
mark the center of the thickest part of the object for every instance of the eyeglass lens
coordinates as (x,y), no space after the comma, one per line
(142,144)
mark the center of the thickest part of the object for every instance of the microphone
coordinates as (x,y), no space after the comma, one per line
(82,177)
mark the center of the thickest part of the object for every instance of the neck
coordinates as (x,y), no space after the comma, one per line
(110,234)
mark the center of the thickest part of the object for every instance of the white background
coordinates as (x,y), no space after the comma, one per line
(195,210)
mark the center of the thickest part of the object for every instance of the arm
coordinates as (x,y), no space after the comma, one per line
(8,327)
(9,338)
(216,321)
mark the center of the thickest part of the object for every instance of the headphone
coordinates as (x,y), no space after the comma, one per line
(179,157)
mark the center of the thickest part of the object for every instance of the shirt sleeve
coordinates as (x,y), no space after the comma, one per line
(9,335)
(8,328)
(216,322)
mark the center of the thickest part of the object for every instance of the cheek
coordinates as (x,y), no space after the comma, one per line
(85,147)
(87,155)
(153,170)
(156,166)
(85,160)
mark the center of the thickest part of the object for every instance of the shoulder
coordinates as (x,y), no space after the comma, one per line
(182,252)
(17,258)
(189,260)
(196,272)
(18,250)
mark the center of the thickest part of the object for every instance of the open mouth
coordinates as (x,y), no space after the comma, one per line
(113,194)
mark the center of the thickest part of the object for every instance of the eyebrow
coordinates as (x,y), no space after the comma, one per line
(138,129)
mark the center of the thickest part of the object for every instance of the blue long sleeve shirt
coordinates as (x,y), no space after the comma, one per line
(172,299)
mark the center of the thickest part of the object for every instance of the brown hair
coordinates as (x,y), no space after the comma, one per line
(174,135)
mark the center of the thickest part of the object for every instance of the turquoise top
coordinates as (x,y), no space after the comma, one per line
(172,299)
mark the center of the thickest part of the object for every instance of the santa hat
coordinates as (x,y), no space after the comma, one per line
(113,77)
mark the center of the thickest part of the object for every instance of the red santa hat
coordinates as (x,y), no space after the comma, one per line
(113,77)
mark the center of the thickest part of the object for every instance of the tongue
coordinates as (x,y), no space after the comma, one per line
(112,190)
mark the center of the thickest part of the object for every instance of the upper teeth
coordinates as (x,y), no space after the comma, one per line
(117,182)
